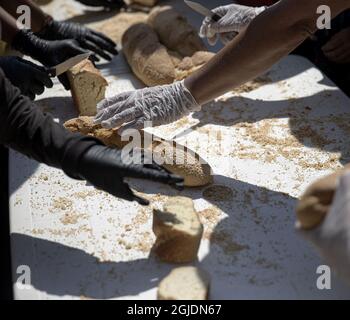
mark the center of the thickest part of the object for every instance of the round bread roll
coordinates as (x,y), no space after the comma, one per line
(314,204)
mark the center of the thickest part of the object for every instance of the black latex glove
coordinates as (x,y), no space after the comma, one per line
(105,169)
(87,38)
(30,78)
(107,4)
(49,53)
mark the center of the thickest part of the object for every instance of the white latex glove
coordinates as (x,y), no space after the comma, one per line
(234,19)
(332,237)
(161,105)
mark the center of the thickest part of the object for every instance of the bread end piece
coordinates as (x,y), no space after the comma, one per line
(88,87)
(184,162)
(185,283)
(178,231)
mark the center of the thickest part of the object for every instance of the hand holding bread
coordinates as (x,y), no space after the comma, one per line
(159,105)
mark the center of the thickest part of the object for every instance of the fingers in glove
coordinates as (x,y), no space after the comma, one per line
(137,124)
(177,185)
(102,44)
(109,112)
(123,191)
(73,48)
(92,47)
(121,118)
(141,201)
(213,40)
(30,95)
(63,78)
(227,37)
(108,102)
(104,37)
(93,58)
(40,73)
(37,87)
(42,77)
(203,32)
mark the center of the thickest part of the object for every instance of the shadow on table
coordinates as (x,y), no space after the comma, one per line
(315,121)
(63,270)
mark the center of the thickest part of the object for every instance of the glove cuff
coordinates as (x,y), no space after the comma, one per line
(190,102)
(259,10)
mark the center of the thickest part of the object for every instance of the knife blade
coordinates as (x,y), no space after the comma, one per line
(66,65)
(203,10)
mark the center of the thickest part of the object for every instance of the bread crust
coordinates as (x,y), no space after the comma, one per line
(147,57)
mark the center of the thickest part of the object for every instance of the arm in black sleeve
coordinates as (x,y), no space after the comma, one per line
(23,127)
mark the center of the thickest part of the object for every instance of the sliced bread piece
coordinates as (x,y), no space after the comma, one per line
(185,283)
(88,87)
(178,231)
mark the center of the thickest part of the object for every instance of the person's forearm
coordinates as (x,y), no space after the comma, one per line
(38,17)
(271,36)
(8,26)
(23,127)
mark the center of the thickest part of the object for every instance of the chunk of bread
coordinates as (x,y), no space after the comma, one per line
(178,231)
(147,57)
(88,87)
(191,64)
(175,32)
(175,157)
(185,283)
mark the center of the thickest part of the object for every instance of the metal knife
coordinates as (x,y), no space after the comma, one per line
(66,65)
(203,10)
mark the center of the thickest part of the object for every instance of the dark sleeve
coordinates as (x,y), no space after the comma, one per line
(23,127)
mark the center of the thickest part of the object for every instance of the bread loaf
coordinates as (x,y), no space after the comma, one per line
(178,231)
(176,158)
(174,32)
(185,283)
(147,57)
(88,87)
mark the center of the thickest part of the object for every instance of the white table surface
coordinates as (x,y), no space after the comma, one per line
(271,143)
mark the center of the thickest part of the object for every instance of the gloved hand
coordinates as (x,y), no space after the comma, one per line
(234,19)
(49,53)
(332,237)
(161,105)
(87,38)
(107,4)
(30,78)
(106,169)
